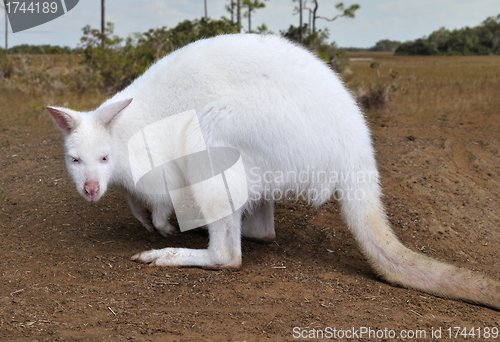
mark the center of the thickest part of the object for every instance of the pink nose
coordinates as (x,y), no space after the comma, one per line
(91,189)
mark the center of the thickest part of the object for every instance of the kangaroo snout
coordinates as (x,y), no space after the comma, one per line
(91,190)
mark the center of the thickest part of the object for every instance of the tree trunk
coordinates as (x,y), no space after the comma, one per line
(314,15)
(310,15)
(238,14)
(249,20)
(103,22)
(206,14)
(314,21)
(300,27)
(232,11)
(6,33)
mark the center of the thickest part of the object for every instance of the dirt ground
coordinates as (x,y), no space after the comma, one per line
(66,273)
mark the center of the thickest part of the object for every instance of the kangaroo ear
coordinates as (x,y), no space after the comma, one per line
(65,119)
(109,113)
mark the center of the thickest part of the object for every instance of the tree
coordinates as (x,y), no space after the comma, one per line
(314,16)
(235,6)
(348,12)
(206,13)
(480,40)
(310,12)
(385,45)
(251,6)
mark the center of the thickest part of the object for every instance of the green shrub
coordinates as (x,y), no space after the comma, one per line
(40,49)
(317,42)
(112,63)
(377,95)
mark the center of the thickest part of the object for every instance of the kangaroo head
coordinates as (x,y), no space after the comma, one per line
(88,145)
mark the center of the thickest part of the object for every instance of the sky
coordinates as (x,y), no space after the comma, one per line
(400,20)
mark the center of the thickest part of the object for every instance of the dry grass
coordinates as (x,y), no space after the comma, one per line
(458,88)
(444,87)
(41,80)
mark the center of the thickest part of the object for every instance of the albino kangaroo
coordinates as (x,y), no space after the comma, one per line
(287,114)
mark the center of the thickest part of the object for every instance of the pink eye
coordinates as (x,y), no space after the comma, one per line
(104,159)
(75,160)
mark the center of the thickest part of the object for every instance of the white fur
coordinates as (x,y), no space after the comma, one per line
(289,115)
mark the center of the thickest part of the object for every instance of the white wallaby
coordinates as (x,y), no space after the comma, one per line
(299,131)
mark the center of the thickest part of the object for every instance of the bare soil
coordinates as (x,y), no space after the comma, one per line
(66,272)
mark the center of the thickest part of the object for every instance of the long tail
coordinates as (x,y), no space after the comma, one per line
(400,265)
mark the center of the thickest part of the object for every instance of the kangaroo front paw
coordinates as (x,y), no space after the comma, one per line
(161,223)
(158,257)
(166,229)
(185,257)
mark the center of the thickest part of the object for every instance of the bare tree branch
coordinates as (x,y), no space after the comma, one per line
(347,12)
(334,18)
